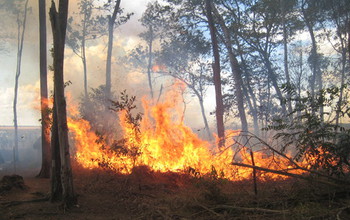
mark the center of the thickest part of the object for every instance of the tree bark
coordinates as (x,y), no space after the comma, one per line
(149,67)
(56,186)
(45,121)
(273,78)
(217,78)
(111,21)
(20,38)
(83,54)
(236,71)
(316,78)
(59,26)
(285,51)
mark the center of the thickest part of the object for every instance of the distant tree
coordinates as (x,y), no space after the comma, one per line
(79,32)
(153,20)
(19,9)
(216,70)
(112,7)
(111,22)
(45,121)
(235,68)
(288,24)
(313,17)
(182,53)
(338,14)
(62,177)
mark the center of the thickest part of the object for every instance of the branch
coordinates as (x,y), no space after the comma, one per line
(291,175)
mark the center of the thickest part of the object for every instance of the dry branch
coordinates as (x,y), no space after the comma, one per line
(242,209)
(245,209)
(340,184)
(13,203)
(249,136)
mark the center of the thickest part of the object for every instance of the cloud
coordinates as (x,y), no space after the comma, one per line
(27,114)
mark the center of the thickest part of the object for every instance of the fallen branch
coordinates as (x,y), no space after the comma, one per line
(289,174)
(13,203)
(210,210)
(245,209)
(293,162)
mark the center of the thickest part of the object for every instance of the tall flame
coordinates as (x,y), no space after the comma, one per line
(163,143)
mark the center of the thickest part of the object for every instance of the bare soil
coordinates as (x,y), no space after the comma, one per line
(150,195)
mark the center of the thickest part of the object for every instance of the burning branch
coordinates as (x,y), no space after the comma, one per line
(295,166)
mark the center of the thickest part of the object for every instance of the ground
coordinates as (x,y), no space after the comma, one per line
(149,195)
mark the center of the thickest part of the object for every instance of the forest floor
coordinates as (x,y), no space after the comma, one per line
(150,195)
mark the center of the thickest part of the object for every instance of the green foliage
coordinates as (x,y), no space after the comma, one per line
(124,146)
(96,110)
(323,143)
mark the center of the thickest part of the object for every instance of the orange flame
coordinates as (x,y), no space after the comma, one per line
(164,143)
(158,68)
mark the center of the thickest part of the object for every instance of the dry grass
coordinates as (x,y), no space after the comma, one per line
(145,194)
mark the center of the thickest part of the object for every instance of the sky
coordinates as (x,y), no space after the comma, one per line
(126,38)
(28,98)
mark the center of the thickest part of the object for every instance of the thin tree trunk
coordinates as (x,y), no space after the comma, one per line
(273,78)
(84,58)
(59,26)
(285,51)
(249,93)
(217,78)
(236,71)
(45,121)
(201,103)
(20,38)
(341,93)
(56,186)
(149,67)
(206,125)
(316,78)
(111,21)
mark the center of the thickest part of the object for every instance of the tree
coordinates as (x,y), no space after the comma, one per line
(339,16)
(153,19)
(21,26)
(111,22)
(62,176)
(45,121)
(235,68)
(312,16)
(89,27)
(216,76)
(182,53)
(231,14)
(288,21)
(261,38)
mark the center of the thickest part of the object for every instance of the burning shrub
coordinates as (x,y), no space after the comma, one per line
(322,143)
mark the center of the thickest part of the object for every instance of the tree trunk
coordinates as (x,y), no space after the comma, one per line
(285,51)
(236,71)
(20,38)
(45,121)
(83,55)
(149,67)
(316,78)
(341,92)
(273,78)
(59,26)
(56,186)
(111,21)
(217,78)
(248,91)
(206,125)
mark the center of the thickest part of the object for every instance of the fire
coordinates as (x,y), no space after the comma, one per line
(158,68)
(164,143)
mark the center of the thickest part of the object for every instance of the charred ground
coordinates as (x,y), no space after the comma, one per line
(146,194)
